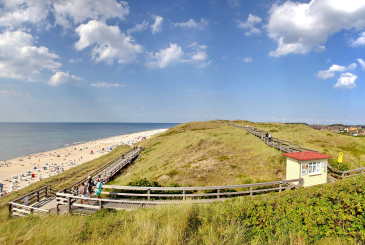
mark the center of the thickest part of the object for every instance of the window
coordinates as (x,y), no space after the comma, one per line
(314,168)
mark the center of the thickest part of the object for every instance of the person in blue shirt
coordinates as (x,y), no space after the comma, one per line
(98,188)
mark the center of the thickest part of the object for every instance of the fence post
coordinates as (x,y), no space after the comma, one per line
(280,145)
(183,194)
(251,191)
(57,209)
(31,211)
(218,193)
(68,204)
(10,208)
(299,147)
(37,196)
(100,204)
(48,189)
(148,193)
(280,186)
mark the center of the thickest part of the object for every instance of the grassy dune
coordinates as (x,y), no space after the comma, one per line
(322,141)
(325,214)
(205,153)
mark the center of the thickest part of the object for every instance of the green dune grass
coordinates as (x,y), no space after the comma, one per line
(322,141)
(205,153)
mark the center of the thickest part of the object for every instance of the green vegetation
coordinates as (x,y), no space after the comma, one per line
(326,214)
(205,153)
(322,141)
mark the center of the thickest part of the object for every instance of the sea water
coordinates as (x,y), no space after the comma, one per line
(21,139)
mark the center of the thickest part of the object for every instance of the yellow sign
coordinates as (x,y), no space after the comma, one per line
(340,157)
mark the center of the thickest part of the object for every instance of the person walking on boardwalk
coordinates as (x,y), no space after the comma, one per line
(267,136)
(90,185)
(83,193)
(98,188)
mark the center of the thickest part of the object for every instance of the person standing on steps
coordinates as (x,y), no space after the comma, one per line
(84,193)
(269,137)
(90,185)
(98,188)
(266,136)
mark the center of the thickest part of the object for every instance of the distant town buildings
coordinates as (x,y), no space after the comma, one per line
(353,130)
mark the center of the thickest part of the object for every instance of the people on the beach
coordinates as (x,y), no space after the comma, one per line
(98,188)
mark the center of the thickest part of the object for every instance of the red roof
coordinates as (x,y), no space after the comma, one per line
(306,155)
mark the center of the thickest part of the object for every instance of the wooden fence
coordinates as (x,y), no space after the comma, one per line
(338,174)
(282,145)
(22,205)
(140,196)
(113,165)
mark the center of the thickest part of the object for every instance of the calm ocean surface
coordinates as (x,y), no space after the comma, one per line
(19,139)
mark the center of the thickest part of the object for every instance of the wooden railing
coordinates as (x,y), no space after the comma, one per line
(338,174)
(169,195)
(22,205)
(282,145)
(99,171)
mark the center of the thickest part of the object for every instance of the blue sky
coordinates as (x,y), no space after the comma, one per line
(180,61)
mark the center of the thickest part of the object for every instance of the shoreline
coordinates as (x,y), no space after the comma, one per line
(61,159)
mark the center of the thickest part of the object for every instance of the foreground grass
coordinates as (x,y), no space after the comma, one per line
(205,153)
(69,177)
(326,214)
(322,141)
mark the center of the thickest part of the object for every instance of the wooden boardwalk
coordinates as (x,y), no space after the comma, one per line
(44,200)
(282,145)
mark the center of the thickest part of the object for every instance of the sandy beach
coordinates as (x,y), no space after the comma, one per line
(60,160)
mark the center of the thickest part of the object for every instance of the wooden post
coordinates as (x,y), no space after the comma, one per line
(100,204)
(31,211)
(114,194)
(148,193)
(218,193)
(280,186)
(280,145)
(183,194)
(9,208)
(57,209)
(299,147)
(251,191)
(37,196)
(68,204)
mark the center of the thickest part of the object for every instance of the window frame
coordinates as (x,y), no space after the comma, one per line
(316,166)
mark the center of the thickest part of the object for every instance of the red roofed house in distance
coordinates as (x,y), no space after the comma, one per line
(308,165)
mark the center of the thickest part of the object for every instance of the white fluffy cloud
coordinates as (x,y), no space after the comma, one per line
(346,80)
(247,59)
(138,27)
(157,26)
(165,56)
(360,41)
(77,11)
(108,42)
(250,24)
(362,64)
(106,85)
(62,77)
(192,24)
(19,58)
(17,12)
(300,27)
(335,68)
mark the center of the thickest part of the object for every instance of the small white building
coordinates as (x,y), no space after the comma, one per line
(308,165)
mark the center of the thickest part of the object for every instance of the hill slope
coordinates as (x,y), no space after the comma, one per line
(322,141)
(206,153)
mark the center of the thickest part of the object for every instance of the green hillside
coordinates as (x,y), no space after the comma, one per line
(322,141)
(205,153)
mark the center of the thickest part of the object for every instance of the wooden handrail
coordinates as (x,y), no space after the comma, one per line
(196,188)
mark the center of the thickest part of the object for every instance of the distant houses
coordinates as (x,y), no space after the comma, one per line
(350,130)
